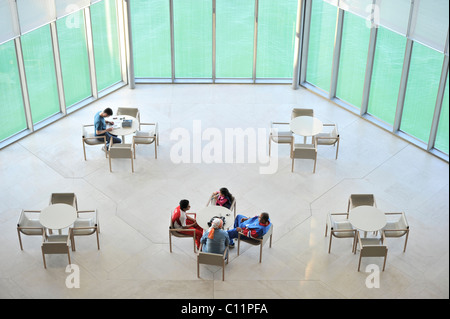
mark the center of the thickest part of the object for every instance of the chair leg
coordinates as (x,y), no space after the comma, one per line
(84,149)
(406,241)
(260,252)
(223,270)
(68,254)
(156,151)
(239,243)
(43,257)
(337,149)
(110,169)
(98,241)
(20,240)
(315,161)
(72,241)
(132,165)
(359,264)
(198,269)
(329,245)
(170,241)
(270,146)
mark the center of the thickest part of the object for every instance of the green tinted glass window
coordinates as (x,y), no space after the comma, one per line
(234,38)
(74,57)
(11,102)
(40,72)
(276,38)
(421,91)
(386,76)
(106,43)
(151,38)
(193,38)
(353,59)
(321,44)
(442,132)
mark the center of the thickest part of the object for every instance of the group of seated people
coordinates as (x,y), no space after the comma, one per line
(216,239)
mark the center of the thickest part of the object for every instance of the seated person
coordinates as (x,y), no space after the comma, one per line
(100,127)
(181,220)
(223,198)
(254,227)
(215,239)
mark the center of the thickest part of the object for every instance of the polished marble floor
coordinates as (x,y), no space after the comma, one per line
(134,260)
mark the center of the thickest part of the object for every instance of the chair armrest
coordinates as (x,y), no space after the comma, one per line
(95,138)
(22,213)
(91,211)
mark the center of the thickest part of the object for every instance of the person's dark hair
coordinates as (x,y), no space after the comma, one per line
(226,193)
(184,203)
(264,217)
(108,111)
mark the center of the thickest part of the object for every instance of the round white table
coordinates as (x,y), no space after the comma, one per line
(58,216)
(367,218)
(205,215)
(306,125)
(122,131)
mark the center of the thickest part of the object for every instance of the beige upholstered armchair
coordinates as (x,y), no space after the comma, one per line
(148,136)
(88,137)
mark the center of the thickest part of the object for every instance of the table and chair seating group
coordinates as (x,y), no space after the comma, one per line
(304,123)
(127,121)
(203,218)
(363,216)
(61,215)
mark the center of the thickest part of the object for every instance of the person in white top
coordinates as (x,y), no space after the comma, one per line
(181,220)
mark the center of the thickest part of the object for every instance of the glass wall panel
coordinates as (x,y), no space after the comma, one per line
(40,73)
(74,57)
(353,59)
(421,91)
(106,43)
(11,102)
(234,38)
(386,76)
(150,27)
(276,38)
(193,38)
(321,44)
(442,132)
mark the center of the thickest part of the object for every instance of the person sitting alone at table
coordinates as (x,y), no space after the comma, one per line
(223,198)
(215,240)
(254,227)
(100,127)
(181,220)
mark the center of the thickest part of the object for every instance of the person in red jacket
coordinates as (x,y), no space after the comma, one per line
(254,227)
(181,220)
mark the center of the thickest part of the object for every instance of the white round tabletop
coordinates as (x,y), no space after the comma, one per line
(204,215)
(306,125)
(121,131)
(58,216)
(367,218)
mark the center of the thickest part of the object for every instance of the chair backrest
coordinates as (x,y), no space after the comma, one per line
(362,199)
(131,111)
(56,244)
(306,151)
(210,259)
(301,112)
(374,251)
(120,151)
(64,198)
